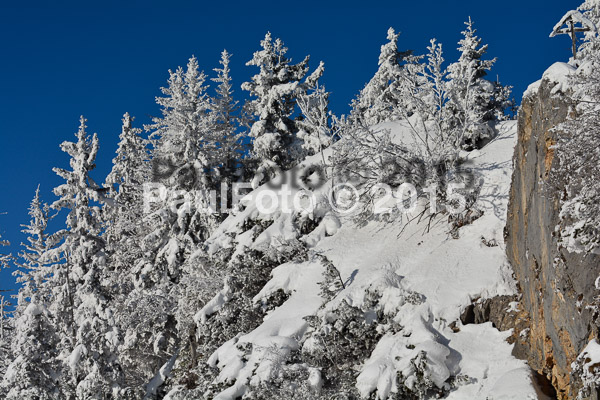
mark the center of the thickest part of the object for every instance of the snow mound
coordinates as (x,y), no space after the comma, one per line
(558,74)
(532,89)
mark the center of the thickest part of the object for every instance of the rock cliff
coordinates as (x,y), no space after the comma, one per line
(556,286)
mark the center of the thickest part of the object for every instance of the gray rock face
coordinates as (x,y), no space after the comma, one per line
(556,286)
(492,310)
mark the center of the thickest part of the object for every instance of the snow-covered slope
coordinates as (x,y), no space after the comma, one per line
(410,281)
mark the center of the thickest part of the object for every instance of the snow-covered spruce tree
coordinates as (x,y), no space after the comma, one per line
(124,209)
(182,135)
(227,120)
(184,158)
(84,319)
(202,276)
(131,169)
(33,271)
(474,101)
(34,373)
(185,146)
(275,89)
(184,154)
(579,158)
(135,311)
(381,97)
(35,264)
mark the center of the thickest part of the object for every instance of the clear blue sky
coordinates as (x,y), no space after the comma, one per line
(61,59)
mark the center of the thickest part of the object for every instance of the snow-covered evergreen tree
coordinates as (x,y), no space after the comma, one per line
(126,227)
(131,169)
(34,268)
(123,211)
(227,121)
(473,100)
(275,90)
(380,99)
(185,157)
(186,160)
(182,135)
(34,373)
(200,277)
(84,319)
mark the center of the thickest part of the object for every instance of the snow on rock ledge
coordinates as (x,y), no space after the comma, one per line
(559,74)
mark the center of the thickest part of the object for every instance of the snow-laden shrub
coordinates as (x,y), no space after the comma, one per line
(246,276)
(340,339)
(306,223)
(293,382)
(232,311)
(380,166)
(417,384)
(332,282)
